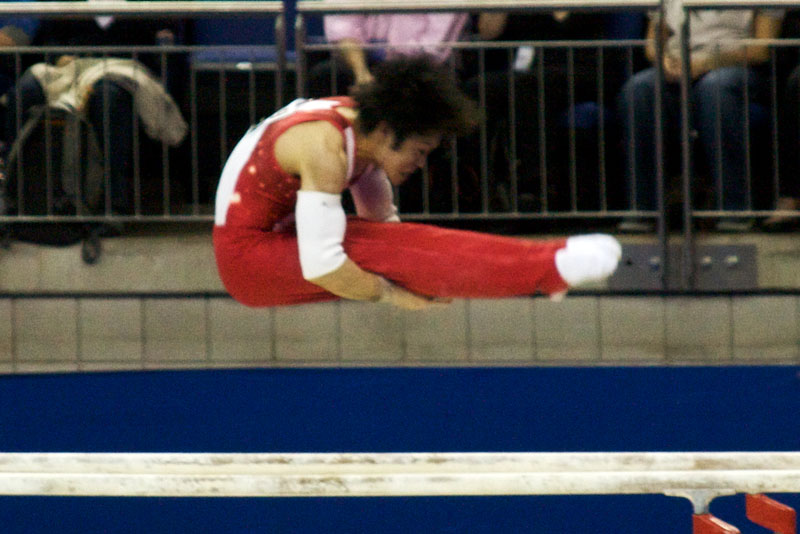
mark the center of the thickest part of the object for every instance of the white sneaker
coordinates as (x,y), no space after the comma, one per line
(588,258)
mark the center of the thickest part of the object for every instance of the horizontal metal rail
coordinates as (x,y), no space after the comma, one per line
(410,6)
(177,9)
(739,4)
(698,476)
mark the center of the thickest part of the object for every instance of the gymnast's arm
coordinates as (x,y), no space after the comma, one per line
(373,197)
(315,152)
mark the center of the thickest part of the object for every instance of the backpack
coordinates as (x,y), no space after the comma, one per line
(67,179)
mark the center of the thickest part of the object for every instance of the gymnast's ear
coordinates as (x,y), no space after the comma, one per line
(385,134)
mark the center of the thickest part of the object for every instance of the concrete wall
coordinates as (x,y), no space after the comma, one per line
(64,334)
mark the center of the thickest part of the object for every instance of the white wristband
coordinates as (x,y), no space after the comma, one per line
(320,222)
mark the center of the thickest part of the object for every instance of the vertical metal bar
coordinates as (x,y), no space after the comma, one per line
(426,189)
(165,182)
(20,185)
(718,135)
(774,125)
(300,55)
(687,256)
(631,134)
(483,134)
(334,78)
(512,132)
(773,90)
(251,89)
(194,142)
(573,176)
(223,123)
(542,135)
(106,138)
(280,37)
(76,148)
(748,171)
(48,148)
(454,185)
(661,220)
(601,130)
(137,152)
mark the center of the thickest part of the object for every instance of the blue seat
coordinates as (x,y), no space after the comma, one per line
(258,33)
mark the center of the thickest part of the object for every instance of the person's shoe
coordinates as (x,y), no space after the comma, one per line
(737,225)
(783,223)
(588,258)
(636,226)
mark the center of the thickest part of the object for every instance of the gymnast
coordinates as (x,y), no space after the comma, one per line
(281,235)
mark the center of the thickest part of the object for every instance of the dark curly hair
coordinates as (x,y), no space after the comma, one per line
(414,96)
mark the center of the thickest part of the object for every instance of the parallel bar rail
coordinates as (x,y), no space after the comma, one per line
(697,476)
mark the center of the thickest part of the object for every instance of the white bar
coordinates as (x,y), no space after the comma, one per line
(368,463)
(140,8)
(354,6)
(395,474)
(432,484)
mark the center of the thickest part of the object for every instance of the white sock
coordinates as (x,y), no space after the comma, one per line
(588,258)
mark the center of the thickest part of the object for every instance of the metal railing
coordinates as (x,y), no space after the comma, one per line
(483,207)
(196,191)
(224,97)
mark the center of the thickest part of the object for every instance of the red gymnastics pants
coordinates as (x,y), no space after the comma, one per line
(263,268)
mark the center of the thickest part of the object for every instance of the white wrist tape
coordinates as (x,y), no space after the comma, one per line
(320,222)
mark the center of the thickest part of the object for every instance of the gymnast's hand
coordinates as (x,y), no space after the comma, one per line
(588,258)
(407,300)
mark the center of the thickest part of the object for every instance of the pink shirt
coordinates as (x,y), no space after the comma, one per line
(425,30)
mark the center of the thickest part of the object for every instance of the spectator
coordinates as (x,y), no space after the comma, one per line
(110,103)
(403,34)
(723,74)
(569,76)
(789,131)
(14,31)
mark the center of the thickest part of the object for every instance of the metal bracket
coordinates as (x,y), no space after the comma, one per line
(700,498)
(716,268)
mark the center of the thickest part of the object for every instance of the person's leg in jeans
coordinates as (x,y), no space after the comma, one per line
(27,93)
(789,155)
(636,112)
(113,124)
(719,114)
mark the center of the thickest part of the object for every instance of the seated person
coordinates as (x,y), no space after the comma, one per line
(403,34)
(14,31)
(723,73)
(548,83)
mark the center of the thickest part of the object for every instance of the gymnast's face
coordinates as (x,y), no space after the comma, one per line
(401,160)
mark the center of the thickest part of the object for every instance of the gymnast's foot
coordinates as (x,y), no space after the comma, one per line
(588,258)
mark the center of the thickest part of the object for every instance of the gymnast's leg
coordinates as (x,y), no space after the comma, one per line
(263,268)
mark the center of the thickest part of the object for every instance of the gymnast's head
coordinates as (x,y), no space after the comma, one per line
(410,106)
